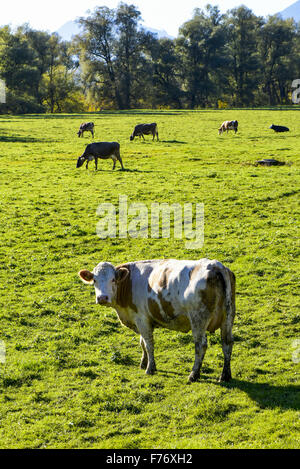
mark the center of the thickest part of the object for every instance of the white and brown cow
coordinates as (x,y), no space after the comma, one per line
(172,294)
(229,125)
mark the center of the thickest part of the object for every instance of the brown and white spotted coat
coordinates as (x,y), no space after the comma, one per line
(172,294)
(229,125)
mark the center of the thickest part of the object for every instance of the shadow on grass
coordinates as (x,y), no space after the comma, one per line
(17,139)
(168,373)
(173,141)
(268,396)
(136,171)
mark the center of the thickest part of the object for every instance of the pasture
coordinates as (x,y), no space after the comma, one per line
(70,376)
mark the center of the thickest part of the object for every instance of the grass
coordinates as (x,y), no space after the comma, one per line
(71,377)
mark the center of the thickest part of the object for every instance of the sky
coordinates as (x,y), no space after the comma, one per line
(166,15)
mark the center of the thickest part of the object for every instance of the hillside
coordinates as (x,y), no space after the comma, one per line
(292,12)
(71,28)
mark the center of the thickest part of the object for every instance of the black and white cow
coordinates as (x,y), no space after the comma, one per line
(86,127)
(279,128)
(145,129)
(103,151)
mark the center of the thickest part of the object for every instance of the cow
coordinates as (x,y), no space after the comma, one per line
(229,125)
(86,127)
(145,129)
(173,294)
(102,150)
(279,128)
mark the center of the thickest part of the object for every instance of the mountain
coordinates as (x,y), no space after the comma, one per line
(292,12)
(161,33)
(68,30)
(71,28)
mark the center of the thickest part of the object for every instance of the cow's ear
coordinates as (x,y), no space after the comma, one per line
(122,274)
(86,276)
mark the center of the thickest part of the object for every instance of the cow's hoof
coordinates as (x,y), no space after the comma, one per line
(151,370)
(225,378)
(194,377)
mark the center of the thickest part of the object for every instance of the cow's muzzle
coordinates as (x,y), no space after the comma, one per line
(102,300)
(80,162)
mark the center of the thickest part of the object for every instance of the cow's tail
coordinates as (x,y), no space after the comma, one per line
(229,279)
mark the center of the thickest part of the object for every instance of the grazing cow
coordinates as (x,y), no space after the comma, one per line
(177,295)
(86,127)
(102,150)
(145,129)
(279,128)
(229,125)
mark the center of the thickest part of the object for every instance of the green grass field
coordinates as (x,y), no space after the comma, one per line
(70,377)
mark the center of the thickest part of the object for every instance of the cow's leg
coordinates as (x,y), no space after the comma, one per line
(87,164)
(200,340)
(144,361)
(146,331)
(227,344)
(118,157)
(114,166)
(121,162)
(96,164)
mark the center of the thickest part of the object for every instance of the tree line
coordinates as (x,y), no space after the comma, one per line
(217,60)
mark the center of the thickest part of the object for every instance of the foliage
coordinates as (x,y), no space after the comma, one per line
(115,63)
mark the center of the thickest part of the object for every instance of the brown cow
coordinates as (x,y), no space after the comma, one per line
(171,294)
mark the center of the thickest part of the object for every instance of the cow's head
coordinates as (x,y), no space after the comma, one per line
(132,137)
(80,161)
(105,278)
(79,133)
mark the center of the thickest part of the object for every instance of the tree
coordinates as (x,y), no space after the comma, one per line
(242,49)
(277,51)
(97,48)
(113,49)
(201,43)
(59,87)
(167,78)
(18,70)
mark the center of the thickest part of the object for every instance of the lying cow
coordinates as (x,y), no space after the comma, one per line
(86,127)
(145,129)
(102,150)
(229,125)
(279,128)
(176,295)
